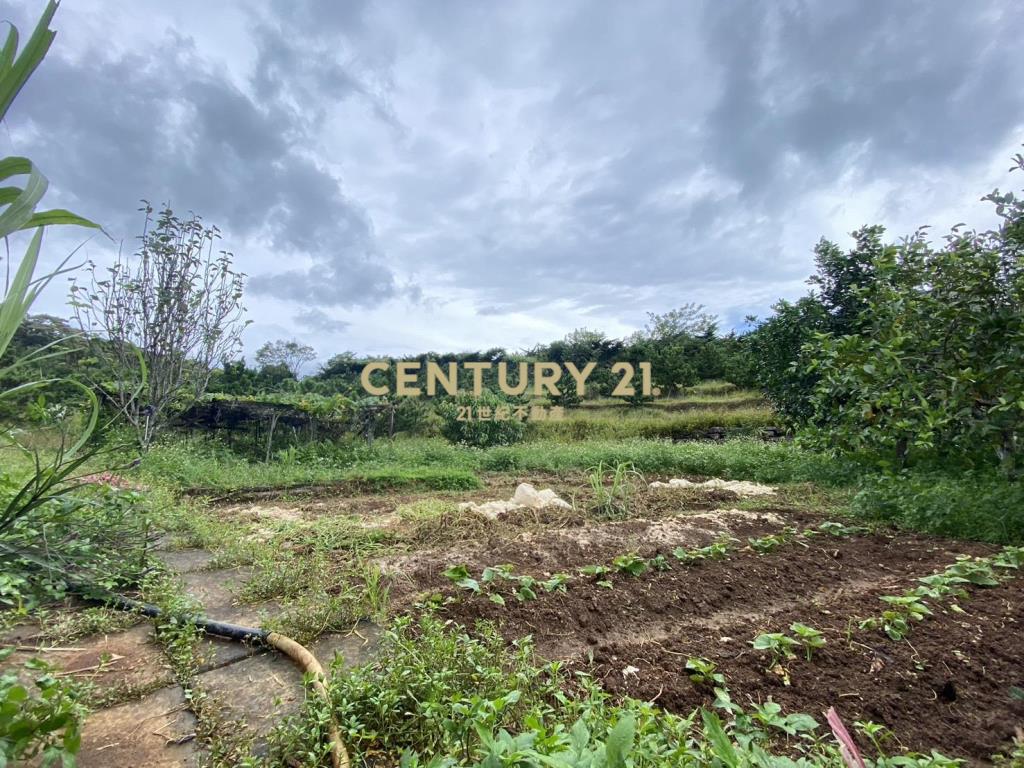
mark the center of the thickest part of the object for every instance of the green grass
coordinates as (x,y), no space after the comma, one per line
(711,388)
(964,505)
(202,464)
(608,423)
(736,459)
(434,464)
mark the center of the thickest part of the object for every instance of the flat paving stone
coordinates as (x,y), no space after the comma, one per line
(260,691)
(131,658)
(157,731)
(185,560)
(217,591)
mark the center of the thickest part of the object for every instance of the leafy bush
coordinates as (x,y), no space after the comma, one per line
(972,505)
(42,721)
(446,684)
(474,701)
(934,367)
(97,536)
(476,432)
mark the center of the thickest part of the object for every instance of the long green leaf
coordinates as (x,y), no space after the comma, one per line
(10,48)
(620,742)
(58,216)
(94,415)
(18,299)
(18,213)
(14,166)
(719,740)
(14,76)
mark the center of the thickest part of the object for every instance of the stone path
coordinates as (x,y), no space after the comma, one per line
(249,689)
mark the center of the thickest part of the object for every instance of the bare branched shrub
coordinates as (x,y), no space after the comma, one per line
(160,320)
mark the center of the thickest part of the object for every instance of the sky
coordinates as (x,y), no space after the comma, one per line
(403,176)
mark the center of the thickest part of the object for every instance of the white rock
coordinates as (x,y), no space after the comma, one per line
(525,497)
(739,487)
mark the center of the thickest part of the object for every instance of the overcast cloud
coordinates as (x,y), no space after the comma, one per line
(403,176)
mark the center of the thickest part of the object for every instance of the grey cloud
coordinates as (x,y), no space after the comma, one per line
(620,157)
(164,126)
(318,320)
(914,83)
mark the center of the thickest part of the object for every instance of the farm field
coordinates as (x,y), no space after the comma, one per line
(683,598)
(335,478)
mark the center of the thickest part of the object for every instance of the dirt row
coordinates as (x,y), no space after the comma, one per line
(946,687)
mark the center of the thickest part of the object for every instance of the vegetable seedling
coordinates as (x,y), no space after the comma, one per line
(702,671)
(777,644)
(459,574)
(632,564)
(810,638)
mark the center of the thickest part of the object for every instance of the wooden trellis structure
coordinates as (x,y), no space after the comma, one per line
(260,421)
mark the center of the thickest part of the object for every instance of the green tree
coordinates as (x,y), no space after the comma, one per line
(781,367)
(835,306)
(291,355)
(670,342)
(936,367)
(937,371)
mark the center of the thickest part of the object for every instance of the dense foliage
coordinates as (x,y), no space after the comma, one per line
(481,422)
(936,368)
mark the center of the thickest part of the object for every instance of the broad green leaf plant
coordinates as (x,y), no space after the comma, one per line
(23,190)
(43,725)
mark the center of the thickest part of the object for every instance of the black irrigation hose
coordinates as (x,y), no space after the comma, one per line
(209,626)
(293,650)
(296,652)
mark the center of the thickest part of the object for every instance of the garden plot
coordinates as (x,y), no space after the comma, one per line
(638,618)
(664,596)
(551,541)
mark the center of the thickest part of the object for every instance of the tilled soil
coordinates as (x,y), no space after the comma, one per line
(946,687)
(571,542)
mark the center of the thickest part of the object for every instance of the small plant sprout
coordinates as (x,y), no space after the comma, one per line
(632,564)
(777,644)
(659,563)
(526,591)
(556,583)
(494,572)
(770,714)
(876,733)
(1009,557)
(459,575)
(975,571)
(765,544)
(684,555)
(810,638)
(702,671)
(599,572)
(715,551)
